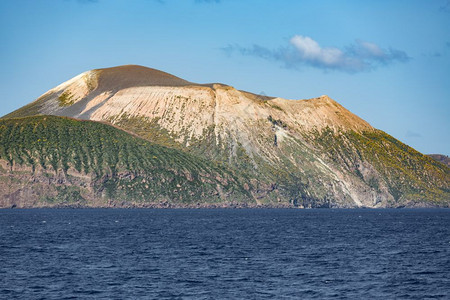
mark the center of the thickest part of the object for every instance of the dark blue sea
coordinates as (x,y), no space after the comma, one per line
(224,254)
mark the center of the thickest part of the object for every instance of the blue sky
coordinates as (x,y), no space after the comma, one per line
(386,61)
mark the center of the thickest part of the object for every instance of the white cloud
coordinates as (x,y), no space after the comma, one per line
(310,50)
(303,50)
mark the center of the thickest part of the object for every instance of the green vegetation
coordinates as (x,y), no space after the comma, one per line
(121,166)
(66,99)
(66,195)
(147,129)
(409,175)
(276,106)
(126,170)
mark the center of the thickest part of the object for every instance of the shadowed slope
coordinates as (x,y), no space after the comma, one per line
(54,161)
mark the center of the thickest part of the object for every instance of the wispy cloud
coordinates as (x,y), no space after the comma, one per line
(304,51)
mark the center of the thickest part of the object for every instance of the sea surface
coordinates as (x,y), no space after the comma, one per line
(224,254)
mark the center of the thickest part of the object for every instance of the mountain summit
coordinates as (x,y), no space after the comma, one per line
(302,153)
(136,91)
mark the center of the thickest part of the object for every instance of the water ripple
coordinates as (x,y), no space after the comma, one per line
(224,254)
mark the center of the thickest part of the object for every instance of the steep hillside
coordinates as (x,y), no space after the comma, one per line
(388,166)
(54,161)
(307,153)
